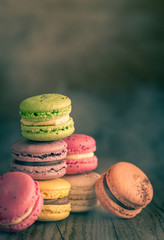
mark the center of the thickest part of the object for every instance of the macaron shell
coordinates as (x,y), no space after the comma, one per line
(54,188)
(55,212)
(48,133)
(76,166)
(45,107)
(82,182)
(18,195)
(83,205)
(45,116)
(45,102)
(109,204)
(41,173)
(129,185)
(80,143)
(31,151)
(29,220)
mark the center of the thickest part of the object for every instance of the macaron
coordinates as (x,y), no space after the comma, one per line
(80,155)
(21,201)
(124,190)
(46,117)
(56,203)
(41,160)
(82,195)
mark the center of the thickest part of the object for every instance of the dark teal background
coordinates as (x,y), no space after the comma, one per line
(101,47)
(107,56)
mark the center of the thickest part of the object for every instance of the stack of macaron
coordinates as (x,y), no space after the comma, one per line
(46,156)
(45,121)
(80,161)
(52,171)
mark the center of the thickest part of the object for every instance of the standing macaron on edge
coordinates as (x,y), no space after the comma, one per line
(21,201)
(124,190)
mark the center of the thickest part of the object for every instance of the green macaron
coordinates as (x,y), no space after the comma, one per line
(46,117)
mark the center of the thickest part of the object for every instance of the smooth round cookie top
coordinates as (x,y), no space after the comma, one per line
(80,143)
(18,195)
(129,184)
(45,102)
(54,184)
(82,180)
(31,147)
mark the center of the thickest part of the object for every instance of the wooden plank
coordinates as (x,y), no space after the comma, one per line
(99,224)
(89,225)
(39,230)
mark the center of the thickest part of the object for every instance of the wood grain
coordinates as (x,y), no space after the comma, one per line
(99,224)
(37,231)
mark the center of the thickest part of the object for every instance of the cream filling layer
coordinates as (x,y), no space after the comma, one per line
(50,122)
(79,156)
(18,220)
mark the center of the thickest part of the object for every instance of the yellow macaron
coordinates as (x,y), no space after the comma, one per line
(56,203)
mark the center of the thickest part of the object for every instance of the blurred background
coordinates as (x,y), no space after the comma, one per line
(107,56)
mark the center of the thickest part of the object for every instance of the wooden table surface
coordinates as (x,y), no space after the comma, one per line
(129,128)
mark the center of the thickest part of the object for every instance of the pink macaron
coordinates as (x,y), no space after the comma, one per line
(21,201)
(41,160)
(80,155)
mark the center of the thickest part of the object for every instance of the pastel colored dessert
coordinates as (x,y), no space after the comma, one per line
(82,195)
(20,202)
(56,203)
(124,190)
(80,155)
(46,117)
(41,160)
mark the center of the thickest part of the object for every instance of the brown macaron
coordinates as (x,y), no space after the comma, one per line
(124,190)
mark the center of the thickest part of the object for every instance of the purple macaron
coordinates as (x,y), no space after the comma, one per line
(41,160)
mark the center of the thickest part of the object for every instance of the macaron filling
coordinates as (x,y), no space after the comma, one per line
(47,129)
(113,198)
(58,201)
(35,164)
(50,122)
(80,156)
